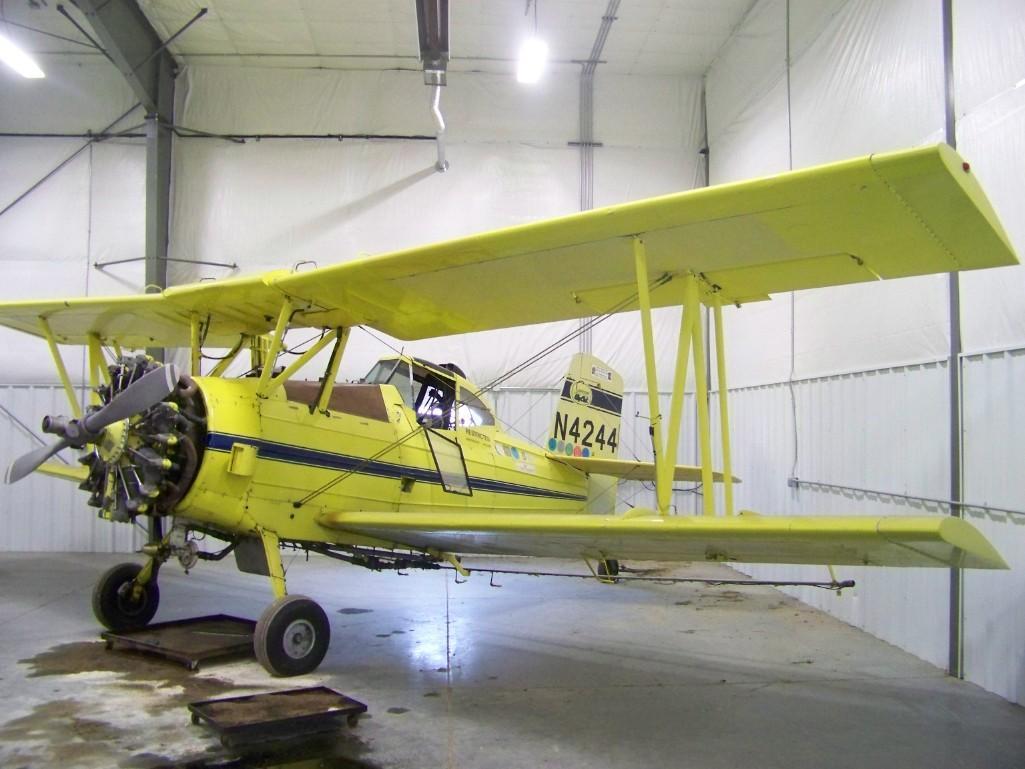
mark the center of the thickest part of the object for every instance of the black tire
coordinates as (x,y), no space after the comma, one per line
(292,636)
(112,602)
(608,568)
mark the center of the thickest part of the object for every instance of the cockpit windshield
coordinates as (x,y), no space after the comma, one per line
(431,391)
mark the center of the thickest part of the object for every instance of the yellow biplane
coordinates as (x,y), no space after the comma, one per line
(407,468)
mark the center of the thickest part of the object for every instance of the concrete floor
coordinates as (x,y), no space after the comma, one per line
(539,672)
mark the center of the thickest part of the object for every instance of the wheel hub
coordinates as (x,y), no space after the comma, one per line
(128,601)
(300,636)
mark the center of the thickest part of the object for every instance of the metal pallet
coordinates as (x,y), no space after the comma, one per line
(261,718)
(189,641)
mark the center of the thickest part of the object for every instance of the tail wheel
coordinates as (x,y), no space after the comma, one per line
(609,567)
(292,636)
(118,605)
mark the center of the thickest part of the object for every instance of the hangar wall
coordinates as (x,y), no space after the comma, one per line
(849,385)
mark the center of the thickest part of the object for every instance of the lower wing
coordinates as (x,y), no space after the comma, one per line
(643,535)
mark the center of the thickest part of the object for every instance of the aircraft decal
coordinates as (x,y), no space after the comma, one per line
(597,399)
(284,452)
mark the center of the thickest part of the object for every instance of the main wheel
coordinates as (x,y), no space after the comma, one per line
(292,636)
(113,601)
(608,568)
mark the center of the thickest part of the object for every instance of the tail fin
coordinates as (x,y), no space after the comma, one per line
(587,417)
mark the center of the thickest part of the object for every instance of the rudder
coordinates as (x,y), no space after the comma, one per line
(588,414)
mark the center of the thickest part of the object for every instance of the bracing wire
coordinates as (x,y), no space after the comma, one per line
(567,338)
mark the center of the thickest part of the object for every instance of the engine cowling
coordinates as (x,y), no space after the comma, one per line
(145,464)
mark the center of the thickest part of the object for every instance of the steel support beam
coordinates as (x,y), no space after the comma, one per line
(158,186)
(955,657)
(140,55)
(136,49)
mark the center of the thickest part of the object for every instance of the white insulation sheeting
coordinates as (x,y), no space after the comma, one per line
(91,210)
(867,76)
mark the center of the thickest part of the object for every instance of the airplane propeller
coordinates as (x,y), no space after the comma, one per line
(140,395)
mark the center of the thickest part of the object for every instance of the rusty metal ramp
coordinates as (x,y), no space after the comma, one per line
(261,718)
(189,641)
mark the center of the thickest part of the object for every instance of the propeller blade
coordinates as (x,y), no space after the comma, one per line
(26,463)
(146,391)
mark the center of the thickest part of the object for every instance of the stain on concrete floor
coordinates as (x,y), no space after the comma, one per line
(67,732)
(140,671)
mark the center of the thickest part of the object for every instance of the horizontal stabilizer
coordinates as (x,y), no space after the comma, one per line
(632,470)
(645,536)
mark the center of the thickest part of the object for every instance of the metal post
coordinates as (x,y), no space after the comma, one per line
(955,660)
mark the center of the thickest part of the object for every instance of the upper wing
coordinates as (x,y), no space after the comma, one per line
(884,216)
(629,469)
(858,541)
(226,309)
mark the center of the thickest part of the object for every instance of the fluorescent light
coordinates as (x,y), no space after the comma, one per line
(18,60)
(531,64)
(1020,83)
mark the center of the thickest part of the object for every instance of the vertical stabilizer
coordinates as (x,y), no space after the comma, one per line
(587,417)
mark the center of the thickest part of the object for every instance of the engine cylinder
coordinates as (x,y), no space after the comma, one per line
(145,464)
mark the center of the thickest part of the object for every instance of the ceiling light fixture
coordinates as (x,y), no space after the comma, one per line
(533,54)
(18,60)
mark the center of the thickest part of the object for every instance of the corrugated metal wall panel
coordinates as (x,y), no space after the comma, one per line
(41,514)
(876,430)
(994,472)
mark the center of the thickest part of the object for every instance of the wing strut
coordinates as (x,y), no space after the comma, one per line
(62,371)
(690,347)
(724,417)
(654,412)
(97,368)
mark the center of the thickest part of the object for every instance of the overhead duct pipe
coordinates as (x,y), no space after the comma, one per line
(432,27)
(587,142)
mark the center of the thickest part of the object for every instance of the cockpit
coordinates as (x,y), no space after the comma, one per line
(439,394)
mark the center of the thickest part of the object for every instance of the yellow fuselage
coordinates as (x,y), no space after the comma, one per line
(262,455)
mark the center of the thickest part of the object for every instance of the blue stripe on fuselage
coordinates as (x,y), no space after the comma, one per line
(329,460)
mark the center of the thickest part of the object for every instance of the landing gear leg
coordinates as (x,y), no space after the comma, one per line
(293,633)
